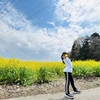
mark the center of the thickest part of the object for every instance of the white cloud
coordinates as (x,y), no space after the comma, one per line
(78,10)
(20,39)
(51,23)
(82,15)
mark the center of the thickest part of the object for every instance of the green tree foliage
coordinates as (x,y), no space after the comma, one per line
(88,49)
(95,47)
(84,51)
(75,51)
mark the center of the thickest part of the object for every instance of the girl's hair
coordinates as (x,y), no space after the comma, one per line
(63,54)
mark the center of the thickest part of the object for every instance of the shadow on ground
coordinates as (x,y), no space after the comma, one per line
(64,98)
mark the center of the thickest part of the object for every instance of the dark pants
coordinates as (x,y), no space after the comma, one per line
(69,79)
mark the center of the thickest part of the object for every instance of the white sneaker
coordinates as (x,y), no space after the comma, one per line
(69,96)
(77,92)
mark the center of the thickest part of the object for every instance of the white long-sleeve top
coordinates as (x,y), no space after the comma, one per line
(68,65)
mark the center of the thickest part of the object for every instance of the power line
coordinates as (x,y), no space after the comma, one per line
(15,4)
(41,10)
(40,17)
(6,3)
(35,7)
(48,13)
(37,11)
(28,12)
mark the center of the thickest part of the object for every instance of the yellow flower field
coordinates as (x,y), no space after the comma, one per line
(19,71)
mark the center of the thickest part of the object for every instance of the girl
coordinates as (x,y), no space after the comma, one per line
(68,75)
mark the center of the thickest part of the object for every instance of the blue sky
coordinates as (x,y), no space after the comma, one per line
(42,29)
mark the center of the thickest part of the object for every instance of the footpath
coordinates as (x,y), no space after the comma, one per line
(89,94)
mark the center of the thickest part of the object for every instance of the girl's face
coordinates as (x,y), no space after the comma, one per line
(63,56)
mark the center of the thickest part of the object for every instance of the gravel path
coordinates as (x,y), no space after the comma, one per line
(56,86)
(89,94)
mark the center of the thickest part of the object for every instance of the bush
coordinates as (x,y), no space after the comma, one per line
(26,76)
(43,75)
(14,75)
(83,72)
(96,71)
(8,75)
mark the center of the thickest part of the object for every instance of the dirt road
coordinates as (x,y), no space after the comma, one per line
(89,94)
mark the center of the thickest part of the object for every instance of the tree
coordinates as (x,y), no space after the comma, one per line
(95,35)
(84,51)
(86,48)
(95,48)
(75,51)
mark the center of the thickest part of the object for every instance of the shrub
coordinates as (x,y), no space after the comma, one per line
(43,75)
